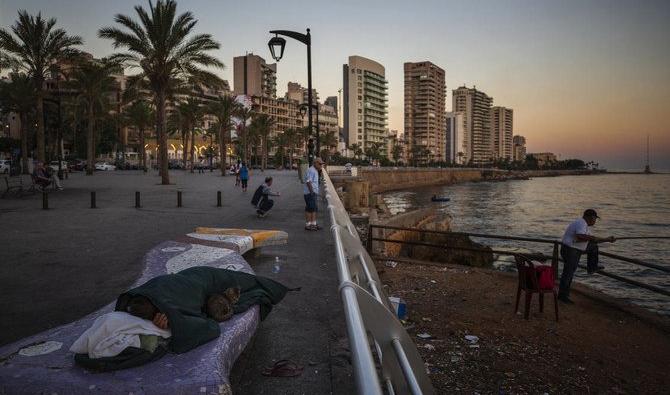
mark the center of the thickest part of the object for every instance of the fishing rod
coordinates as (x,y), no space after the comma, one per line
(642,237)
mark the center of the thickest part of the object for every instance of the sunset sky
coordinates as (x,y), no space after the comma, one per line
(587,79)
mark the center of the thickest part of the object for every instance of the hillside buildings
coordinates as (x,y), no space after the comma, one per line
(519,148)
(365,107)
(425,92)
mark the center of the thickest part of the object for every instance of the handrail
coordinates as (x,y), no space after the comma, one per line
(370,323)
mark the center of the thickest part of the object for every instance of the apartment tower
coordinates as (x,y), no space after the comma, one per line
(253,77)
(502,125)
(519,143)
(365,106)
(425,94)
(455,130)
(477,139)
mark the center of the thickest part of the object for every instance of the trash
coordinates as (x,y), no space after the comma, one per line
(429,347)
(276,267)
(424,336)
(474,345)
(425,319)
(399,306)
(472,339)
(391,264)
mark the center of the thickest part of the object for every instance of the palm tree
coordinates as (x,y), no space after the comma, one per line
(140,115)
(358,151)
(162,46)
(329,140)
(290,137)
(93,81)
(18,96)
(224,109)
(244,131)
(263,125)
(33,47)
(396,152)
(191,113)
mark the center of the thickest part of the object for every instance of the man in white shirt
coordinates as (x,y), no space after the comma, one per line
(576,241)
(311,192)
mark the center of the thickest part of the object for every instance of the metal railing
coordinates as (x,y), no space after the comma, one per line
(555,259)
(374,331)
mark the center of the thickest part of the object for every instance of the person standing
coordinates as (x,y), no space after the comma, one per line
(311,192)
(576,241)
(244,176)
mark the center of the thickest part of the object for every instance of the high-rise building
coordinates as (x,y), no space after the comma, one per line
(519,143)
(424,111)
(455,128)
(502,125)
(477,139)
(297,92)
(365,105)
(253,77)
(332,101)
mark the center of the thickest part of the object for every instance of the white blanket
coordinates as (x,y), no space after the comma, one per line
(113,332)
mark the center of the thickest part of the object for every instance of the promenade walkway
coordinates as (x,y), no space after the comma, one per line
(61,264)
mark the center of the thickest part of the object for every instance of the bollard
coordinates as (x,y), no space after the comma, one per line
(137,200)
(45,200)
(178,198)
(93,199)
(218,198)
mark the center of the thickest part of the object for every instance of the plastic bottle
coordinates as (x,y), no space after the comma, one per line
(276,268)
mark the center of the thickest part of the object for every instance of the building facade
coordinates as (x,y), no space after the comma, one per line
(253,77)
(425,94)
(502,125)
(365,106)
(298,93)
(519,148)
(477,139)
(543,158)
(455,132)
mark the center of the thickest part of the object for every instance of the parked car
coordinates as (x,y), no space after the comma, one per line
(5,166)
(77,164)
(104,166)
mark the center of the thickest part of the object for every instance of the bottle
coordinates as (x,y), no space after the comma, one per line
(276,268)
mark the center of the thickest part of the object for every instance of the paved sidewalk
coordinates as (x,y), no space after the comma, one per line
(61,264)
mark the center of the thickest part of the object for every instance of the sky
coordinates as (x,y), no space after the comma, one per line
(587,79)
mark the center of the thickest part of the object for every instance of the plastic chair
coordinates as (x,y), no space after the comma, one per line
(528,282)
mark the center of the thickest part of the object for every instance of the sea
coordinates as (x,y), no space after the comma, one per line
(628,204)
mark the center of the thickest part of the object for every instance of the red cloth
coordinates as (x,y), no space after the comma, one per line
(545,276)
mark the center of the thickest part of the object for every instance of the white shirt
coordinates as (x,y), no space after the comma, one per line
(312,177)
(579,227)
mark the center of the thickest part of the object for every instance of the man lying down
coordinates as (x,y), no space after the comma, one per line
(173,312)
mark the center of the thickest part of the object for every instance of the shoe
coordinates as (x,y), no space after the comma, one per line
(565,300)
(316,227)
(310,227)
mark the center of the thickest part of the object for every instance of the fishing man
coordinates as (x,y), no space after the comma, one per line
(578,240)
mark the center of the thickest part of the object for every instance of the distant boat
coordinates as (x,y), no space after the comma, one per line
(436,198)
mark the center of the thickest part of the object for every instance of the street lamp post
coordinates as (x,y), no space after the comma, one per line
(304,108)
(277,45)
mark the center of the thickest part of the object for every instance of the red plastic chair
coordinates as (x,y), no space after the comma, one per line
(529,282)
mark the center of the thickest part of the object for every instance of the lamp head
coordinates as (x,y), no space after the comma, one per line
(277,45)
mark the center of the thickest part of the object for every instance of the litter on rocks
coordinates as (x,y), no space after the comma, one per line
(471,338)
(424,336)
(391,264)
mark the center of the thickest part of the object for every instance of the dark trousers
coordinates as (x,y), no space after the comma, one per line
(265,205)
(571,257)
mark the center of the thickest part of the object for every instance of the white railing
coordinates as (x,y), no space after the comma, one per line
(375,333)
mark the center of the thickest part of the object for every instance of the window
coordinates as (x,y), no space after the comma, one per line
(360,78)
(360,111)
(358,71)
(360,124)
(360,97)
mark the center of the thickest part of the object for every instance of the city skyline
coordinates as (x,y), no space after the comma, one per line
(585,80)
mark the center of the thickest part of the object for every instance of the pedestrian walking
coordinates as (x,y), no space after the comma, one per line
(244,176)
(576,241)
(311,192)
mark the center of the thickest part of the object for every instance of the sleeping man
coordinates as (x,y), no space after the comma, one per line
(179,311)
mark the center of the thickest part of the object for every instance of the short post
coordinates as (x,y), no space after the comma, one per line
(218,198)
(178,198)
(45,200)
(93,200)
(554,260)
(137,200)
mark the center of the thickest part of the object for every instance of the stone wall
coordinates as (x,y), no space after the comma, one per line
(390,179)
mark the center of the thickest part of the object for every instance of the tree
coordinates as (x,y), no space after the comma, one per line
(358,150)
(162,46)
(243,115)
(191,113)
(33,47)
(140,115)
(290,139)
(18,96)
(396,152)
(93,81)
(224,109)
(263,125)
(329,140)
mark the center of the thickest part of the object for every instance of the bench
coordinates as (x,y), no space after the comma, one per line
(14,183)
